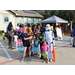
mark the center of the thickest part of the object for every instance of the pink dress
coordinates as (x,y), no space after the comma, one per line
(20,30)
(19,42)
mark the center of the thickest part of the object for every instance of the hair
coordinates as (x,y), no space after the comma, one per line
(28,25)
(10,26)
(3,31)
(20,26)
(38,25)
(17,24)
(71,35)
(32,27)
(36,34)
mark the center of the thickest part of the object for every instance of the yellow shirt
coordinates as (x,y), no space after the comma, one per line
(56,28)
(52,27)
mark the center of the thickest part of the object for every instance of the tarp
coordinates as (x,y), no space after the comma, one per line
(54,19)
(74,31)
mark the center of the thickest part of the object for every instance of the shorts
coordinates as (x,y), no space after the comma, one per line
(3,38)
(44,55)
(27,45)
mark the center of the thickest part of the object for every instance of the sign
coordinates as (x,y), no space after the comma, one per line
(59,34)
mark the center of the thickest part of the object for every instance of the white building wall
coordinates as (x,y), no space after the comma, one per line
(11,18)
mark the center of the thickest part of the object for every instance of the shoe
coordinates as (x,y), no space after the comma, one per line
(51,60)
(22,60)
(48,62)
(43,61)
(29,58)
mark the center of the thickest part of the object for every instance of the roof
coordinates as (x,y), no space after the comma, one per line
(26,13)
(54,19)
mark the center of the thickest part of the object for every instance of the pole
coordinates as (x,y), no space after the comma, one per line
(71,25)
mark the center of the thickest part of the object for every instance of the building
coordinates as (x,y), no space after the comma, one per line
(18,17)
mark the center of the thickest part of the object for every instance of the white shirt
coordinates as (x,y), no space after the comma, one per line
(15,38)
(17,27)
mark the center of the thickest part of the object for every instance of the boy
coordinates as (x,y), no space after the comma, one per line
(3,33)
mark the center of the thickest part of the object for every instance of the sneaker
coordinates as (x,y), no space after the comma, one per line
(43,61)
(29,58)
(22,60)
(51,60)
(48,62)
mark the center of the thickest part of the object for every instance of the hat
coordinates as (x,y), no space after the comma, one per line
(48,27)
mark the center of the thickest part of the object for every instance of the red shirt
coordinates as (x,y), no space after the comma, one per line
(60,27)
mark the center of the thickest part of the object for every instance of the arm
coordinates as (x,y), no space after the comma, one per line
(28,38)
(38,44)
(34,43)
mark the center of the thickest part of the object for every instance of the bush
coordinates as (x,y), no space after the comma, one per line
(71,32)
(1,32)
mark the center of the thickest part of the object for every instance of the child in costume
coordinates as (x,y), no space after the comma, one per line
(45,48)
(49,37)
(36,46)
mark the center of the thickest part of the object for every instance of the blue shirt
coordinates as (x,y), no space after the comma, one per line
(25,42)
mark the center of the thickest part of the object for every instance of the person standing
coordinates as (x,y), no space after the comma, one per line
(3,33)
(15,40)
(38,29)
(25,40)
(10,31)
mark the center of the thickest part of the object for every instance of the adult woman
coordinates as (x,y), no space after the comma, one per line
(34,29)
(38,29)
(25,40)
(10,31)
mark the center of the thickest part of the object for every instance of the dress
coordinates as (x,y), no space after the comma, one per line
(25,42)
(36,49)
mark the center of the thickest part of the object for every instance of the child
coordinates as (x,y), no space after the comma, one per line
(36,46)
(19,39)
(25,40)
(15,40)
(71,39)
(3,33)
(44,49)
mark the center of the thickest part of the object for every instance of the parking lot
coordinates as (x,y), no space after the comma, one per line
(63,50)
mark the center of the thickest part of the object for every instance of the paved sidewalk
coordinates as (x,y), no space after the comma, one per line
(64,55)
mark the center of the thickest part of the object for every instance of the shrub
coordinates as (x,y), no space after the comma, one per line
(1,32)
(71,32)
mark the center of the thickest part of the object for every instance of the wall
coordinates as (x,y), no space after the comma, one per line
(11,18)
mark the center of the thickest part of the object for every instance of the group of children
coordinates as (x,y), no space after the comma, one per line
(39,48)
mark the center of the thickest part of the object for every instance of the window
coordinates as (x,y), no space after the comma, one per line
(37,20)
(32,22)
(25,21)
(6,19)
(19,20)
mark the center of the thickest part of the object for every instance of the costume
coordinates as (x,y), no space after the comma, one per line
(36,50)
(49,37)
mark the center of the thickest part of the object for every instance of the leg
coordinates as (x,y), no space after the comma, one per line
(25,48)
(16,44)
(11,40)
(29,48)
(24,52)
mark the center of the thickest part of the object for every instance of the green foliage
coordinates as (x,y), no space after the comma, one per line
(68,15)
(71,32)
(1,32)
